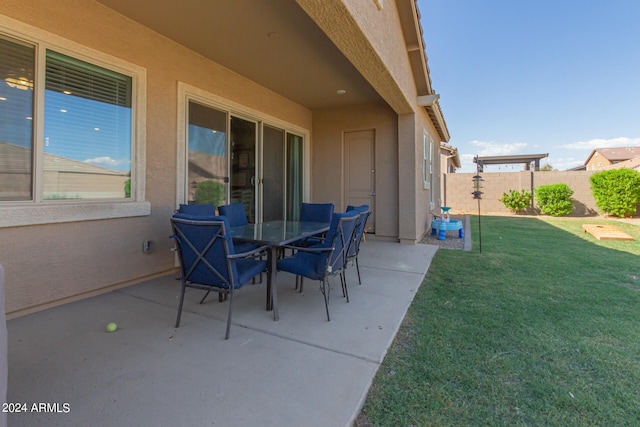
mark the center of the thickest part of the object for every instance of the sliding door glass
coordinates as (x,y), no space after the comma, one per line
(207,158)
(243,165)
(294,176)
(273,173)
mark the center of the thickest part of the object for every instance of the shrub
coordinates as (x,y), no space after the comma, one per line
(210,192)
(517,200)
(555,199)
(616,191)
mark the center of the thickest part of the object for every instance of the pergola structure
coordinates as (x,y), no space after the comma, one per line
(525,159)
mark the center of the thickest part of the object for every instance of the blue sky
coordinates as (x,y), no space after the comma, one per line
(527,77)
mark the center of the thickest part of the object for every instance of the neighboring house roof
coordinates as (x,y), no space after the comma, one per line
(616,154)
(453,155)
(17,159)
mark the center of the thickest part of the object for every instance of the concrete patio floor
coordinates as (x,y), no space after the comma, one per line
(299,371)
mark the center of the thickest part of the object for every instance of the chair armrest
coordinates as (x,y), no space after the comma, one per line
(254,252)
(310,249)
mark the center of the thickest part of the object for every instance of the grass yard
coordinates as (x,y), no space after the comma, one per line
(542,328)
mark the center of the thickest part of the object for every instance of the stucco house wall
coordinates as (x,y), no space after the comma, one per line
(51,263)
(328,179)
(47,264)
(372,46)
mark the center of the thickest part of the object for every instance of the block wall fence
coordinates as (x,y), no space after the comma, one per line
(457,188)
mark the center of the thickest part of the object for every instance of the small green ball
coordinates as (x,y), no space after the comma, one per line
(111,327)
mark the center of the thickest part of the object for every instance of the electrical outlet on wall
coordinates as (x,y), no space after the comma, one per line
(147,246)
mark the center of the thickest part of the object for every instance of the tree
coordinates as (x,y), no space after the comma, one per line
(547,167)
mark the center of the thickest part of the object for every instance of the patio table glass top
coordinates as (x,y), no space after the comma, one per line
(278,232)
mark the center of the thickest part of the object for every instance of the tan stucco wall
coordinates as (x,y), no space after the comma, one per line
(597,162)
(414,206)
(328,171)
(52,262)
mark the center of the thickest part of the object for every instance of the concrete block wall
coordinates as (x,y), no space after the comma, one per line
(459,186)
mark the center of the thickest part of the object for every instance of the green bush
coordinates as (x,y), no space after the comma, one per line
(616,191)
(554,199)
(517,201)
(210,192)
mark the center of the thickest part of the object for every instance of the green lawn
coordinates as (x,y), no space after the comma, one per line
(542,328)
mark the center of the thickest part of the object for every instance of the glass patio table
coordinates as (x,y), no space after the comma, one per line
(276,234)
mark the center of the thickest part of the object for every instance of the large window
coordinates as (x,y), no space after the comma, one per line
(68,131)
(87,131)
(427,167)
(16,120)
(86,152)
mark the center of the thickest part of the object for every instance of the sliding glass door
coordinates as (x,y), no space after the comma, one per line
(233,159)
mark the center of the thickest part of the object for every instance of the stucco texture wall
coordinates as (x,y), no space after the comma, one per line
(458,188)
(49,263)
(328,171)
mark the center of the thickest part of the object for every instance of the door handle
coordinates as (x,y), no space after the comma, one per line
(372,194)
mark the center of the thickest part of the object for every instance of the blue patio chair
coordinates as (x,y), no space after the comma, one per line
(198,210)
(237,216)
(313,212)
(319,262)
(361,224)
(208,260)
(316,212)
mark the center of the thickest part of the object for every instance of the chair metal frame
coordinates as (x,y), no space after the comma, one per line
(226,283)
(354,251)
(335,262)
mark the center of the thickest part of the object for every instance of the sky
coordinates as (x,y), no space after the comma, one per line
(531,77)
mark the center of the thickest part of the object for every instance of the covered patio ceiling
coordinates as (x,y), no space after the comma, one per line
(273,43)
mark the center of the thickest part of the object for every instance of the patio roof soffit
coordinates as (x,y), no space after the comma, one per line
(276,45)
(335,19)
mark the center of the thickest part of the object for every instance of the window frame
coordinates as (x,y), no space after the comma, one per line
(39,211)
(428,167)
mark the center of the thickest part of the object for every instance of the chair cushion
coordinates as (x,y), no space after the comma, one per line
(248,269)
(307,264)
(361,208)
(316,212)
(334,224)
(235,214)
(201,210)
(239,247)
(197,217)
